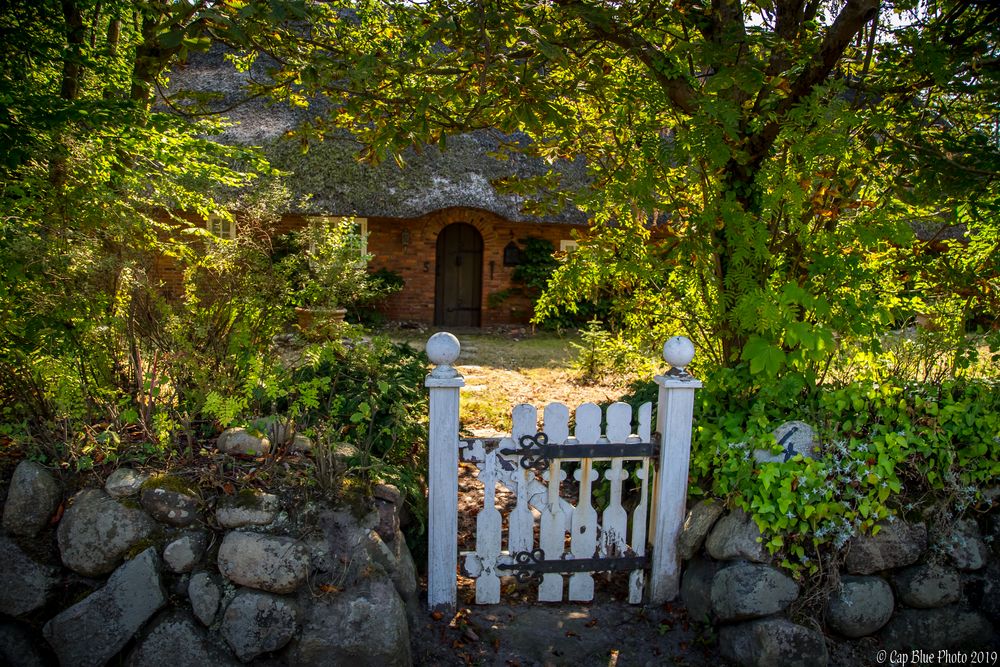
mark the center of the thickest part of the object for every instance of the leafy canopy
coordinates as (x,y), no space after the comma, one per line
(756,168)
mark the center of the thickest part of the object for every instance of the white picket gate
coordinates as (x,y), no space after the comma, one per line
(529,464)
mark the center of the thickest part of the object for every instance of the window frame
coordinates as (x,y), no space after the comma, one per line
(362,224)
(221,228)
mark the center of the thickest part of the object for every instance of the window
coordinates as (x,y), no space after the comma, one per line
(568,245)
(224,229)
(360,229)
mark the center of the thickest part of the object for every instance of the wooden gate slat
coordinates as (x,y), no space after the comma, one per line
(521,522)
(552,534)
(488,534)
(583,541)
(614,519)
(637,580)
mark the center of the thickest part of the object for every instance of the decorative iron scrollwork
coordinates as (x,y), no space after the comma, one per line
(536,453)
(528,565)
(532,451)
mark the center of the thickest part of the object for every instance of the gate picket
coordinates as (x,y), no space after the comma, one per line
(637,580)
(521,522)
(552,535)
(583,542)
(614,520)
(488,534)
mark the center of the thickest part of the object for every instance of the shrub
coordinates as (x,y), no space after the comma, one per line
(602,353)
(889,449)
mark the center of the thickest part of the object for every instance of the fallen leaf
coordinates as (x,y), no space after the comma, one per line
(328,588)
(58,515)
(591,623)
(437,616)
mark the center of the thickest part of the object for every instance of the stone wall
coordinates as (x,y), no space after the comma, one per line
(159,572)
(910,587)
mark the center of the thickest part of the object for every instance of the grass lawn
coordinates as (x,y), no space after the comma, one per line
(502,371)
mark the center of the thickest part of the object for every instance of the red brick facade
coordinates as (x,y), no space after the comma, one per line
(415,261)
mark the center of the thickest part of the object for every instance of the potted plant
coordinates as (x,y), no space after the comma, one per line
(327,273)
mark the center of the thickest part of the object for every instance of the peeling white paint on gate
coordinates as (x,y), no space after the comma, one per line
(565,531)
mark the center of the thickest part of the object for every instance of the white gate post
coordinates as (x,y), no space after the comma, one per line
(443,383)
(675,407)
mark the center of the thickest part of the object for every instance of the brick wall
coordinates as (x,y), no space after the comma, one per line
(416,261)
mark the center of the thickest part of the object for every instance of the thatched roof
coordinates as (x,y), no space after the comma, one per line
(339,184)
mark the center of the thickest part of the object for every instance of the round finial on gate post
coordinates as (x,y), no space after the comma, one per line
(678,352)
(443,349)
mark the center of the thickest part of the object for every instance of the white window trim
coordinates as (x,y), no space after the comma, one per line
(220,227)
(568,245)
(334,219)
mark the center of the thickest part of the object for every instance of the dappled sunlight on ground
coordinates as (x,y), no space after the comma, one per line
(503,370)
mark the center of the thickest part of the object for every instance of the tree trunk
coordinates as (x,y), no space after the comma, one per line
(70,87)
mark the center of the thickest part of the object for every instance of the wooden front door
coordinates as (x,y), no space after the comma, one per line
(458,290)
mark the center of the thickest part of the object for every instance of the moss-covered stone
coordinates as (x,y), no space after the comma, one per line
(170,483)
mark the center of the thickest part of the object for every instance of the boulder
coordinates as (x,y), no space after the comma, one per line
(745,591)
(25,586)
(388,503)
(173,506)
(696,588)
(964,547)
(96,532)
(396,560)
(248,508)
(988,598)
(266,562)
(927,586)
(795,438)
(772,642)
(18,648)
(342,552)
(364,626)
(124,482)
(256,623)
(93,630)
(300,444)
(183,554)
(936,629)
(241,441)
(736,536)
(175,640)
(205,594)
(897,544)
(32,499)
(860,606)
(697,523)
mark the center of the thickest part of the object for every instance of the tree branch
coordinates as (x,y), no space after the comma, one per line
(603,25)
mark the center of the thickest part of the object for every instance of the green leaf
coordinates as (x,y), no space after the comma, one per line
(763,356)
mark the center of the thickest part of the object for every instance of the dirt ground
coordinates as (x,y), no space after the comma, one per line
(524,634)
(515,366)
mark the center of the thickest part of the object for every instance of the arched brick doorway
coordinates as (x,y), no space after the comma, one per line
(458,284)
